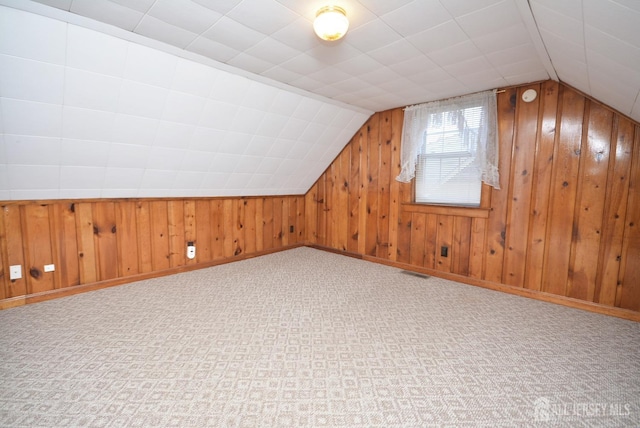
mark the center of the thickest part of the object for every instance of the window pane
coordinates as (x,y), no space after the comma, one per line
(446,171)
(448,180)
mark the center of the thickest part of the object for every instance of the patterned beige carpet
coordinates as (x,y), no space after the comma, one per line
(308,338)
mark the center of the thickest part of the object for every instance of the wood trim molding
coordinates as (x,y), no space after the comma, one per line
(533,294)
(69,291)
(4,203)
(523,292)
(471,212)
(333,250)
(12,302)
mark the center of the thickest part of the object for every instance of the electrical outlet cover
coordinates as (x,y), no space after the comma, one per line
(15,272)
(191,252)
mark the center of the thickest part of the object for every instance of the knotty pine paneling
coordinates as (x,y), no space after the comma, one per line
(618,191)
(591,195)
(94,241)
(565,221)
(496,227)
(217,231)
(88,265)
(520,188)
(159,220)
(35,222)
(104,233)
(12,244)
(250,225)
(561,229)
(278,208)
(67,274)
(177,232)
(628,290)
(541,185)
(127,238)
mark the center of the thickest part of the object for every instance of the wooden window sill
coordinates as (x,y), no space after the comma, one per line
(473,212)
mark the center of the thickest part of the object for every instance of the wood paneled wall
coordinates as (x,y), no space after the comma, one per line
(566,221)
(93,242)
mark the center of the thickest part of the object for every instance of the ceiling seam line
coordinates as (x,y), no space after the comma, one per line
(524,6)
(584,45)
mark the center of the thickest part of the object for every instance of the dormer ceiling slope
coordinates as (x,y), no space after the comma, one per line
(281,102)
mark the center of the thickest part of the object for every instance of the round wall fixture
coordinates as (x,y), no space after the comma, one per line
(529,95)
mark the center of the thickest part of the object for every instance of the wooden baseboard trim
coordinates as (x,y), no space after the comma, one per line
(333,250)
(510,289)
(12,302)
(77,289)
(533,294)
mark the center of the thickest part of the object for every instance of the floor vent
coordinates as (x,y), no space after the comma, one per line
(419,275)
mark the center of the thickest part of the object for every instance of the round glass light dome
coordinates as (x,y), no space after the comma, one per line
(331,23)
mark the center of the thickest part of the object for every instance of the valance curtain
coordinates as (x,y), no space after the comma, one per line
(414,128)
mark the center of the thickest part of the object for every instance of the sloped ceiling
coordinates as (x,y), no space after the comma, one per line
(594,46)
(238,97)
(397,52)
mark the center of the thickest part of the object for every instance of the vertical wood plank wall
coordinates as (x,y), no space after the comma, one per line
(566,221)
(100,240)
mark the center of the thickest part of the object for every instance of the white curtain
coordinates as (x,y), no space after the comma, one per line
(415,125)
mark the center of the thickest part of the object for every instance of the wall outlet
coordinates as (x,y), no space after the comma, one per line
(444,251)
(15,272)
(49,268)
(191,250)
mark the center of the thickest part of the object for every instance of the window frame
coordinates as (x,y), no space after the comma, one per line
(413,116)
(484,188)
(481,211)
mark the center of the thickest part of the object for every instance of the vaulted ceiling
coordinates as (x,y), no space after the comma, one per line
(281,103)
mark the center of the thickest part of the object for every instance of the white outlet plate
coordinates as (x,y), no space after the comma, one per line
(49,268)
(15,272)
(191,252)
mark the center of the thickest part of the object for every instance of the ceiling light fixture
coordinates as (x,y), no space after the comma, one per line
(331,23)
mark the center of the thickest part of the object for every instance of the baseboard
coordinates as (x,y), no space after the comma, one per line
(83,288)
(12,302)
(333,250)
(510,289)
(533,294)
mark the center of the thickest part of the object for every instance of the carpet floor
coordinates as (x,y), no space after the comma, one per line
(306,338)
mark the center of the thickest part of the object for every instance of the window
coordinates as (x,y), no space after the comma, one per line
(450,147)
(446,170)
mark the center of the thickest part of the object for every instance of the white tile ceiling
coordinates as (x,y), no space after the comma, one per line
(595,46)
(462,45)
(159,99)
(465,41)
(85,114)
